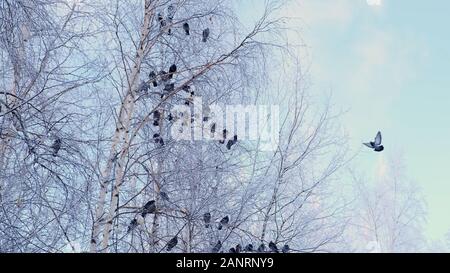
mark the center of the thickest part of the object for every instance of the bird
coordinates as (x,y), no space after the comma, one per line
(152,77)
(217,247)
(172,70)
(376,144)
(186,29)
(205,35)
(249,248)
(186,88)
(172,243)
(133,224)
(149,207)
(238,248)
(273,247)
(156,138)
(231,142)
(169,87)
(232,250)
(156,118)
(164,76)
(213,128)
(164,196)
(161,20)
(207,219)
(224,134)
(285,249)
(170,117)
(56,146)
(262,248)
(223,222)
(170,12)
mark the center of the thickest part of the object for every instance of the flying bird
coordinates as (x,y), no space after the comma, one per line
(172,243)
(207,219)
(149,208)
(285,249)
(56,146)
(223,222)
(273,247)
(376,144)
(217,247)
(186,28)
(205,35)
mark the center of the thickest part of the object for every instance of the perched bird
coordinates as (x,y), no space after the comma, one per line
(285,249)
(376,144)
(149,208)
(158,139)
(249,248)
(172,243)
(156,118)
(262,248)
(56,146)
(232,250)
(238,248)
(217,247)
(164,196)
(170,12)
(169,87)
(164,76)
(152,77)
(223,222)
(162,22)
(186,88)
(133,224)
(207,219)
(170,117)
(205,35)
(213,128)
(172,70)
(224,135)
(186,28)
(273,247)
(231,142)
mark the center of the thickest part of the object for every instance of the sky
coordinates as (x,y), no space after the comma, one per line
(386,64)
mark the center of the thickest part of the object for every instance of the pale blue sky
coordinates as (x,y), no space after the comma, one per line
(388,65)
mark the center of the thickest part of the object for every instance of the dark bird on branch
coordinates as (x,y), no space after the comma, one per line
(217,247)
(232,250)
(162,22)
(164,76)
(156,118)
(186,28)
(224,135)
(262,248)
(133,224)
(169,87)
(213,128)
(207,219)
(164,196)
(172,243)
(186,88)
(152,77)
(172,70)
(205,35)
(223,222)
(238,248)
(56,146)
(149,208)
(376,144)
(231,142)
(285,249)
(249,248)
(273,247)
